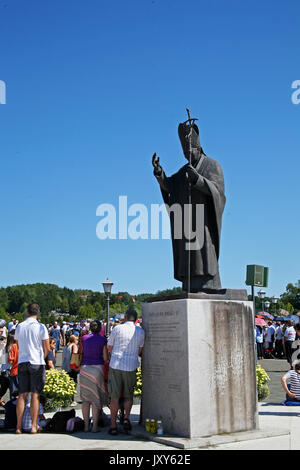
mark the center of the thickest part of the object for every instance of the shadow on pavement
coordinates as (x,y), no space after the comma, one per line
(278,413)
(273,404)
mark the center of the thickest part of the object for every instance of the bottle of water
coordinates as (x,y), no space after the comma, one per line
(148,425)
(159,428)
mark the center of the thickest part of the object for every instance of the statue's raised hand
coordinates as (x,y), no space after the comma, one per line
(156,165)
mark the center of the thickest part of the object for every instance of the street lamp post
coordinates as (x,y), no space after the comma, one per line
(107,285)
(274,300)
(261,294)
(267,304)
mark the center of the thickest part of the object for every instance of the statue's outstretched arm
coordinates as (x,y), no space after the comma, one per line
(159,173)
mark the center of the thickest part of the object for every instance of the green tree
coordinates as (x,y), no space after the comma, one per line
(86,312)
(20,317)
(65,305)
(289,307)
(98,309)
(291,296)
(75,305)
(4,315)
(4,300)
(117,308)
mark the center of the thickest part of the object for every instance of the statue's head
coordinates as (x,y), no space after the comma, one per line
(184,136)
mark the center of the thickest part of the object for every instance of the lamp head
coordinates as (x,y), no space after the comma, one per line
(107,285)
(261,293)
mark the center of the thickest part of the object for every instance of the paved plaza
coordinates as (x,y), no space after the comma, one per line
(279,428)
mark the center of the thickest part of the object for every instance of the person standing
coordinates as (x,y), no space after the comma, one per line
(13,356)
(125,345)
(259,342)
(55,333)
(33,343)
(3,328)
(63,332)
(270,335)
(4,380)
(69,349)
(278,340)
(92,385)
(284,327)
(289,338)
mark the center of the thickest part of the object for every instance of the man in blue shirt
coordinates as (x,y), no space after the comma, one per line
(55,333)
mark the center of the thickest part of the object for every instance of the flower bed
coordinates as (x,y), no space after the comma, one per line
(59,389)
(138,387)
(262,380)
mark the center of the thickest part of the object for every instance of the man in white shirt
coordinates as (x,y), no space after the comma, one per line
(125,345)
(270,335)
(63,332)
(33,343)
(289,338)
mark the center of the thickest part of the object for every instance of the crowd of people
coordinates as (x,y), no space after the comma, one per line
(277,340)
(105,362)
(281,340)
(102,363)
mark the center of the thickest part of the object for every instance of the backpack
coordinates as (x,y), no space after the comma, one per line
(59,421)
(75,424)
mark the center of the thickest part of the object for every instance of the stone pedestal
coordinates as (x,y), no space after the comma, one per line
(199,365)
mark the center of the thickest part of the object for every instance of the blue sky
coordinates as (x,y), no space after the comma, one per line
(94,88)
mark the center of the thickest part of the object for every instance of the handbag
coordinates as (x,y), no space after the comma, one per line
(75,360)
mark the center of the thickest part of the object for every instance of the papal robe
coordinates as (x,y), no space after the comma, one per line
(209,191)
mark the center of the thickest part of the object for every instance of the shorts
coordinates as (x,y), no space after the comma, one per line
(117,379)
(32,377)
